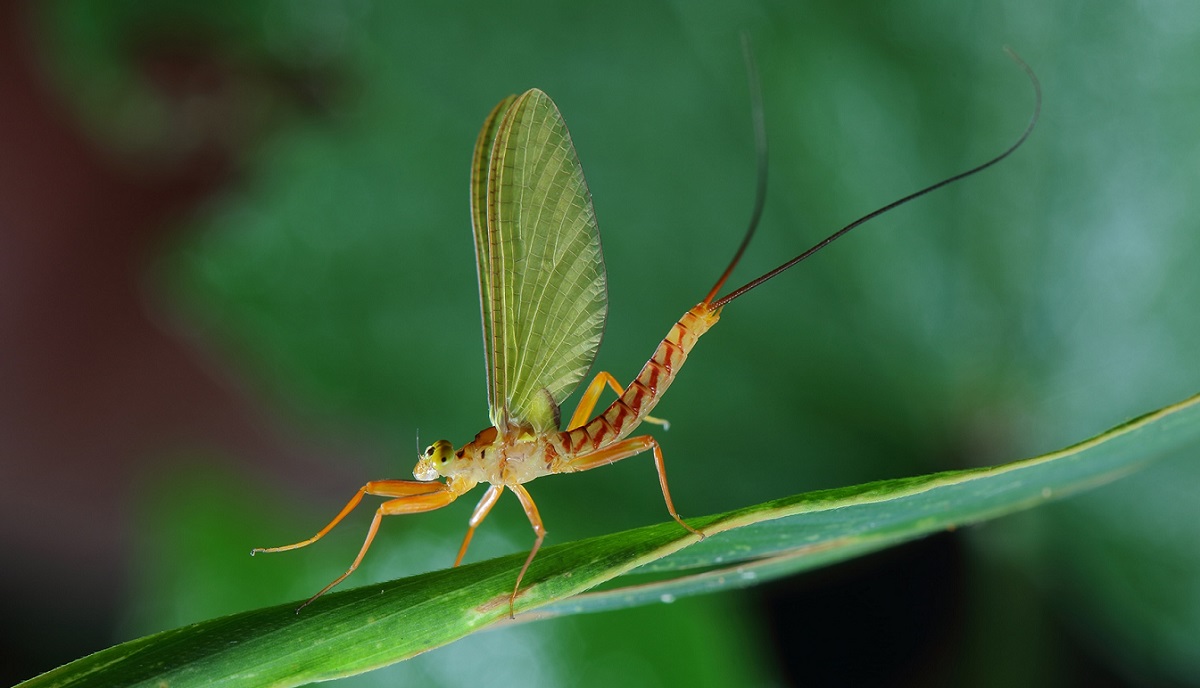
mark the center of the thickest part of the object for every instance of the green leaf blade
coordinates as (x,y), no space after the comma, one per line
(357,630)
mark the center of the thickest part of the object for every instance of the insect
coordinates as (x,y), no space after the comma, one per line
(543,297)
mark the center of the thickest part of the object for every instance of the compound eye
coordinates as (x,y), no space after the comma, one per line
(429,450)
(441,451)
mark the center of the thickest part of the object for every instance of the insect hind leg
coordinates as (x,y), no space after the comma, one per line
(587,402)
(625,449)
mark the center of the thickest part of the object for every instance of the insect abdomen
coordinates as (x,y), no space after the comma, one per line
(640,397)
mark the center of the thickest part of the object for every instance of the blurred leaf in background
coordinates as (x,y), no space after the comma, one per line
(306,261)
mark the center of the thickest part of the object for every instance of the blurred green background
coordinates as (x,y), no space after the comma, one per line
(273,218)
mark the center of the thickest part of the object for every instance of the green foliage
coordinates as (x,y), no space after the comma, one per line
(999,318)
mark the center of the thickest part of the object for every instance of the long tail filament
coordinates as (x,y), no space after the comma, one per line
(760,139)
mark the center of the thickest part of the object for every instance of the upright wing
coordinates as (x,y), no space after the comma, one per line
(541,271)
(480,163)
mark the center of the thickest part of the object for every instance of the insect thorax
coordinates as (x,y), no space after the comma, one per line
(510,459)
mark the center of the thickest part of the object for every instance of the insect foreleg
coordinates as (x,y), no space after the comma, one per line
(587,402)
(378,488)
(625,449)
(406,504)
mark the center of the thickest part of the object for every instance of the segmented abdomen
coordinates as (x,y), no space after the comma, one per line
(640,397)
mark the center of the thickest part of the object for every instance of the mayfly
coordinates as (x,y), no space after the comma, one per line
(543,296)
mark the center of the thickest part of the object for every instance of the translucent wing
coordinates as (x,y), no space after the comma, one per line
(541,271)
(480,162)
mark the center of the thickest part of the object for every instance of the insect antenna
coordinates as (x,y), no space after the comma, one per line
(1037,109)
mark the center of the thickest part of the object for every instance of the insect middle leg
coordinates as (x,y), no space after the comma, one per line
(625,449)
(481,511)
(587,402)
(535,520)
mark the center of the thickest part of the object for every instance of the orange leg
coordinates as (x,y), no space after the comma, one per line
(411,497)
(378,488)
(539,530)
(481,511)
(625,449)
(587,402)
